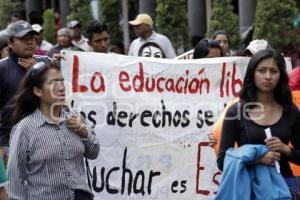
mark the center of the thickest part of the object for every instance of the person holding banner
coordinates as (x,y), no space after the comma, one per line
(151,49)
(265,101)
(143,28)
(98,37)
(48,145)
(207,48)
(222,37)
(64,42)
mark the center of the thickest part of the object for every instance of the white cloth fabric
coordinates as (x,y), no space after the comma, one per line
(46,46)
(82,43)
(160,39)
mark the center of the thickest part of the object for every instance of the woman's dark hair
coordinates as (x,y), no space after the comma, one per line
(282,93)
(153,44)
(25,101)
(221,32)
(203,46)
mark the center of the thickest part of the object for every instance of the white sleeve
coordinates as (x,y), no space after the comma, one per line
(133,50)
(130,53)
(169,50)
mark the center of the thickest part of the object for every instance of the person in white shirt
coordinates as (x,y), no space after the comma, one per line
(42,44)
(77,38)
(143,29)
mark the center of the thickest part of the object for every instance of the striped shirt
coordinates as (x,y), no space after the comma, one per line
(46,160)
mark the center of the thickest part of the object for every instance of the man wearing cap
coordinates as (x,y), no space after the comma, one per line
(22,44)
(77,38)
(42,45)
(255,46)
(143,29)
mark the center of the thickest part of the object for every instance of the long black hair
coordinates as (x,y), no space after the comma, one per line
(203,46)
(282,93)
(25,101)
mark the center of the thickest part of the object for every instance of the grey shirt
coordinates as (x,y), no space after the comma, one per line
(46,160)
(160,39)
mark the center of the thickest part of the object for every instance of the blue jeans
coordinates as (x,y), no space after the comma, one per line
(294,186)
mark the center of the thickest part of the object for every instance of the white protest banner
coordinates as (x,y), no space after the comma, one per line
(186,56)
(189,55)
(152,117)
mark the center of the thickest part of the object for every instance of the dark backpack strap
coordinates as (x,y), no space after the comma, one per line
(88,173)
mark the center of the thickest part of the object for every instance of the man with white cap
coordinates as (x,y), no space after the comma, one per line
(43,46)
(143,29)
(77,38)
(255,46)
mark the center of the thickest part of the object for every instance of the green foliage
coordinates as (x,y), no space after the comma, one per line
(175,23)
(223,18)
(6,8)
(110,12)
(274,20)
(49,25)
(81,11)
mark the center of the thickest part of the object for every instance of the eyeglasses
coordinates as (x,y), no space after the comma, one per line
(37,68)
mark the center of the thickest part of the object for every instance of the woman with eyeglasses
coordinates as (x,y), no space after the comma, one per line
(47,148)
(207,48)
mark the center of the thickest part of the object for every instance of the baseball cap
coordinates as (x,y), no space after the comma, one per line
(142,19)
(19,29)
(256,46)
(38,28)
(73,23)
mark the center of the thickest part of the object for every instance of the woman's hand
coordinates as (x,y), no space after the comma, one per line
(269,158)
(212,140)
(75,123)
(275,144)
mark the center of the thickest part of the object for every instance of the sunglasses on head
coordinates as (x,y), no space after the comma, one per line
(37,68)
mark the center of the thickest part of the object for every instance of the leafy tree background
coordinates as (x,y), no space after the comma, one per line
(223,18)
(171,20)
(110,14)
(8,7)
(49,25)
(274,20)
(81,11)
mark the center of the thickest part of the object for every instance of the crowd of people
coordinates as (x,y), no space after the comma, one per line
(33,112)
